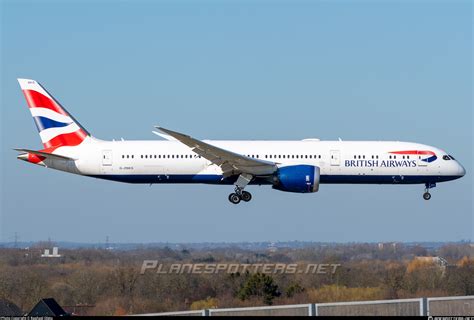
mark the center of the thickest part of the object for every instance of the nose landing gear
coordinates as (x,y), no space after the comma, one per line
(427,194)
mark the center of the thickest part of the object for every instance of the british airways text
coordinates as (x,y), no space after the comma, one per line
(381,163)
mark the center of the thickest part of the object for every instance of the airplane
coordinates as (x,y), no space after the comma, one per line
(291,166)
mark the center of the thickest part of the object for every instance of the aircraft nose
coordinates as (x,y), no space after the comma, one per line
(461,170)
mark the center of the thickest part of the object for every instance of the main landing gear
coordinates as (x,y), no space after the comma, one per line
(240,194)
(427,194)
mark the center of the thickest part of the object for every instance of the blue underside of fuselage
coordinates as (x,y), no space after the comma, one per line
(217,179)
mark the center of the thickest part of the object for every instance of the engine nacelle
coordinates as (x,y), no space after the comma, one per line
(299,178)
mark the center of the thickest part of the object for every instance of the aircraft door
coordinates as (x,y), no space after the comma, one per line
(419,159)
(107,158)
(335,158)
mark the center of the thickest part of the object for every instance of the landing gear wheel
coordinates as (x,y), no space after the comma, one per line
(234,198)
(427,196)
(246,196)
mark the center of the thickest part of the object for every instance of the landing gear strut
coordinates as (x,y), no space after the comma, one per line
(239,193)
(427,194)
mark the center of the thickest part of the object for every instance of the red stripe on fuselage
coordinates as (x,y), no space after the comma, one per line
(38,100)
(413,152)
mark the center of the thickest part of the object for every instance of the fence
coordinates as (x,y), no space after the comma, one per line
(441,306)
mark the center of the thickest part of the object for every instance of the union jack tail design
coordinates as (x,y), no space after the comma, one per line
(57,128)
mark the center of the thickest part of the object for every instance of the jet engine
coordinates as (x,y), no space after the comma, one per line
(297,178)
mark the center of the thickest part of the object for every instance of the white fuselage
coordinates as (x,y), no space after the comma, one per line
(339,161)
(290,166)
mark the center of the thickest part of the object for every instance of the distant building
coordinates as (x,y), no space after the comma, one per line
(272,247)
(79,309)
(439,261)
(382,245)
(55,253)
(47,308)
(9,309)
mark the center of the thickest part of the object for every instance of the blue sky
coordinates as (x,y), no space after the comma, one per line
(238,70)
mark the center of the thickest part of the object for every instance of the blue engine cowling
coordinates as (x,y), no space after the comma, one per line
(300,178)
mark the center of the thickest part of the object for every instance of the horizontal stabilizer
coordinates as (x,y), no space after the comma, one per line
(45,154)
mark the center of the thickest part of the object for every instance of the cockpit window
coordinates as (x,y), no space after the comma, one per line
(446,157)
(452,158)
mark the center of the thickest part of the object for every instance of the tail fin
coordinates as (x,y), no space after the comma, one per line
(56,126)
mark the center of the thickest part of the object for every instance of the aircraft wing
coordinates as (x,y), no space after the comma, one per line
(230,162)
